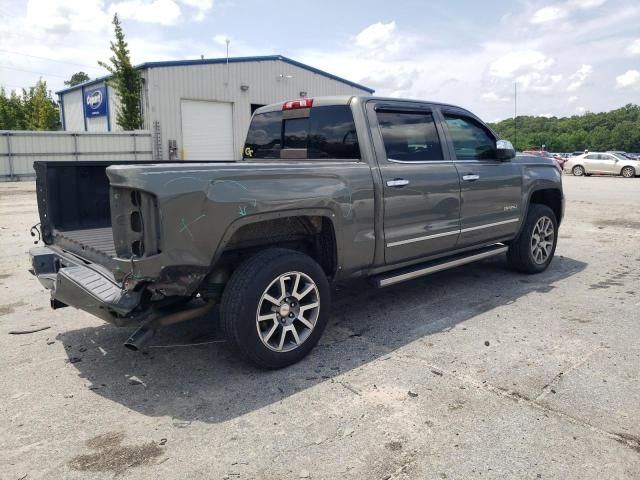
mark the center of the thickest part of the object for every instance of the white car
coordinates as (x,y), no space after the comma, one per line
(603,163)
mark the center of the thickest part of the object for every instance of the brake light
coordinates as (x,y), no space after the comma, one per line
(295,104)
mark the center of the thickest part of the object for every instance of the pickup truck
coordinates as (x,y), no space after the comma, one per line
(329,189)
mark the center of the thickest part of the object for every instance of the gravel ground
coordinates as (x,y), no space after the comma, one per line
(476,372)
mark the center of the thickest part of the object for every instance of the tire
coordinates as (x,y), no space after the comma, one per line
(531,251)
(255,326)
(628,172)
(578,171)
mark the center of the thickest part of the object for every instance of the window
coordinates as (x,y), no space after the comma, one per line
(328,132)
(410,136)
(592,156)
(471,140)
(333,133)
(264,136)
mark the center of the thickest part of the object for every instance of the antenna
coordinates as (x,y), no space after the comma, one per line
(227,41)
(515,114)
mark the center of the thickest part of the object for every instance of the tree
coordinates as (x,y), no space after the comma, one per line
(126,81)
(11,111)
(35,109)
(77,78)
(40,110)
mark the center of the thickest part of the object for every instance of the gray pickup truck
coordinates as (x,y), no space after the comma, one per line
(329,189)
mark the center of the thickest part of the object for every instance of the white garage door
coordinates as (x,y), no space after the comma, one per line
(207,130)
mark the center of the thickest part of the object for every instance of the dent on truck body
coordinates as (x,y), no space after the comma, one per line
(202,211)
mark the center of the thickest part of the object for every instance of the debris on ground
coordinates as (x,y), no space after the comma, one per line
(24,332)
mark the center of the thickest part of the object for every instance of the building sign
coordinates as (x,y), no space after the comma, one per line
(95,102)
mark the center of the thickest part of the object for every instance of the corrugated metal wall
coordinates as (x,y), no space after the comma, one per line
(19,149)
(268,81)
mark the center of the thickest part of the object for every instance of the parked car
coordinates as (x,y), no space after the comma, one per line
(543,153)
(329,189)
(603,163)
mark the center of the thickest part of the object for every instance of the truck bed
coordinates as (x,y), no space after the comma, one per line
(96,240)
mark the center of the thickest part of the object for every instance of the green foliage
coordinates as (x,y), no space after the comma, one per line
(33,110)
(614,130)
(77,78)
(126,81)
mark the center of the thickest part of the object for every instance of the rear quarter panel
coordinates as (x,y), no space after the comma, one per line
(201,206)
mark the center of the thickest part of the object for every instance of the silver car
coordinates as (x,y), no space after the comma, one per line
(603,163)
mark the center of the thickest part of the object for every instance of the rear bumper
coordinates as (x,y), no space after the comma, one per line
(83,286)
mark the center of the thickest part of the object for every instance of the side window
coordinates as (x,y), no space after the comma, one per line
(264,136)
(471,140)
(593,156)
(410,136)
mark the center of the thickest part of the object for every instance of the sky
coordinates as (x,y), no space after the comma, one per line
(566,57)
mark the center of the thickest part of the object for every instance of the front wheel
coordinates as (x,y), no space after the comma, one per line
(533,249)
(628,172)
(578,171)
(275,307)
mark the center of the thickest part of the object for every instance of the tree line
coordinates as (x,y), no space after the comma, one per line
(614,130)
(35,108)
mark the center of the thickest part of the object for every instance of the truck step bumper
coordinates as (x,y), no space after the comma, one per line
(80,286)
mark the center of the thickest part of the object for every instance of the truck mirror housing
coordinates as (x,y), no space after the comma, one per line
(505,150)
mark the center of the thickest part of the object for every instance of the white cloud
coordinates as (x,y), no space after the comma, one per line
(634,48)
(586,4)
(572,99)
(163,12)
(577,79)
(493,97)
(629,79)
(67,17)
(376,35)
(548,14)
(538,82)
(202,7)
(517,62)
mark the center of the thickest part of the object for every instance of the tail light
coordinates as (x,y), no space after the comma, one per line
(295,104)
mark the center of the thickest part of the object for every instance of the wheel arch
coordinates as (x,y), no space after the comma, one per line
(551,197)
(312,231)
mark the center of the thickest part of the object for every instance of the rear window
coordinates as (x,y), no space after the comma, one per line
(328,132)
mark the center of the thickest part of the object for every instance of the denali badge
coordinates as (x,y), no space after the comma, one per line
(510,207)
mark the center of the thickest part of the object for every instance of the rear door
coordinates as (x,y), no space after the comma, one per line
(591,163)
(490,189)
(421,189)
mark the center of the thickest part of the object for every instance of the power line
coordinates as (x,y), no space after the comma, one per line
(49,59)
(31,71)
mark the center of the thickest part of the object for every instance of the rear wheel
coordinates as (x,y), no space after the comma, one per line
(628,172)
(578,170)
(275,307)
(533,249)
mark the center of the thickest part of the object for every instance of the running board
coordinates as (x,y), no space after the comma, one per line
(402,275)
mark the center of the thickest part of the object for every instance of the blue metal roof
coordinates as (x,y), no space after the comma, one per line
(210,61)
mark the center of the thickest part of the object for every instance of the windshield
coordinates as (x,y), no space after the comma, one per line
(619,156)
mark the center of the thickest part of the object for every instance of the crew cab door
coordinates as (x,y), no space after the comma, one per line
(421,189)
(490,189)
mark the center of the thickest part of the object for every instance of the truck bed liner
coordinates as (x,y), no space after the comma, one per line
(94,240)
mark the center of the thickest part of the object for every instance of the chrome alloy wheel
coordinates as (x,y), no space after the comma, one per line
(542,240)
(288,311)
(628,172)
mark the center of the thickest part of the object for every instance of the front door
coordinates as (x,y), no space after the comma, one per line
(421,189)
(490,189)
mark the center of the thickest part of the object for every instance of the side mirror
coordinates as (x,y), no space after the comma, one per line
(505,150)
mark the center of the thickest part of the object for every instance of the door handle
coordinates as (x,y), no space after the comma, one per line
(470,177)
(397,182)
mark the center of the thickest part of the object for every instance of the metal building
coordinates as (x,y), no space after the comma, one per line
(200,109)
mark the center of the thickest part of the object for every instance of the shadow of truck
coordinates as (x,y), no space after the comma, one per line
(208,383)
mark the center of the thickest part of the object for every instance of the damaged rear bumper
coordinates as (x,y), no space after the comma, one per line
(85,286)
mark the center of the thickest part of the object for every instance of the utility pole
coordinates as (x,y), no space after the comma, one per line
(515,115)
